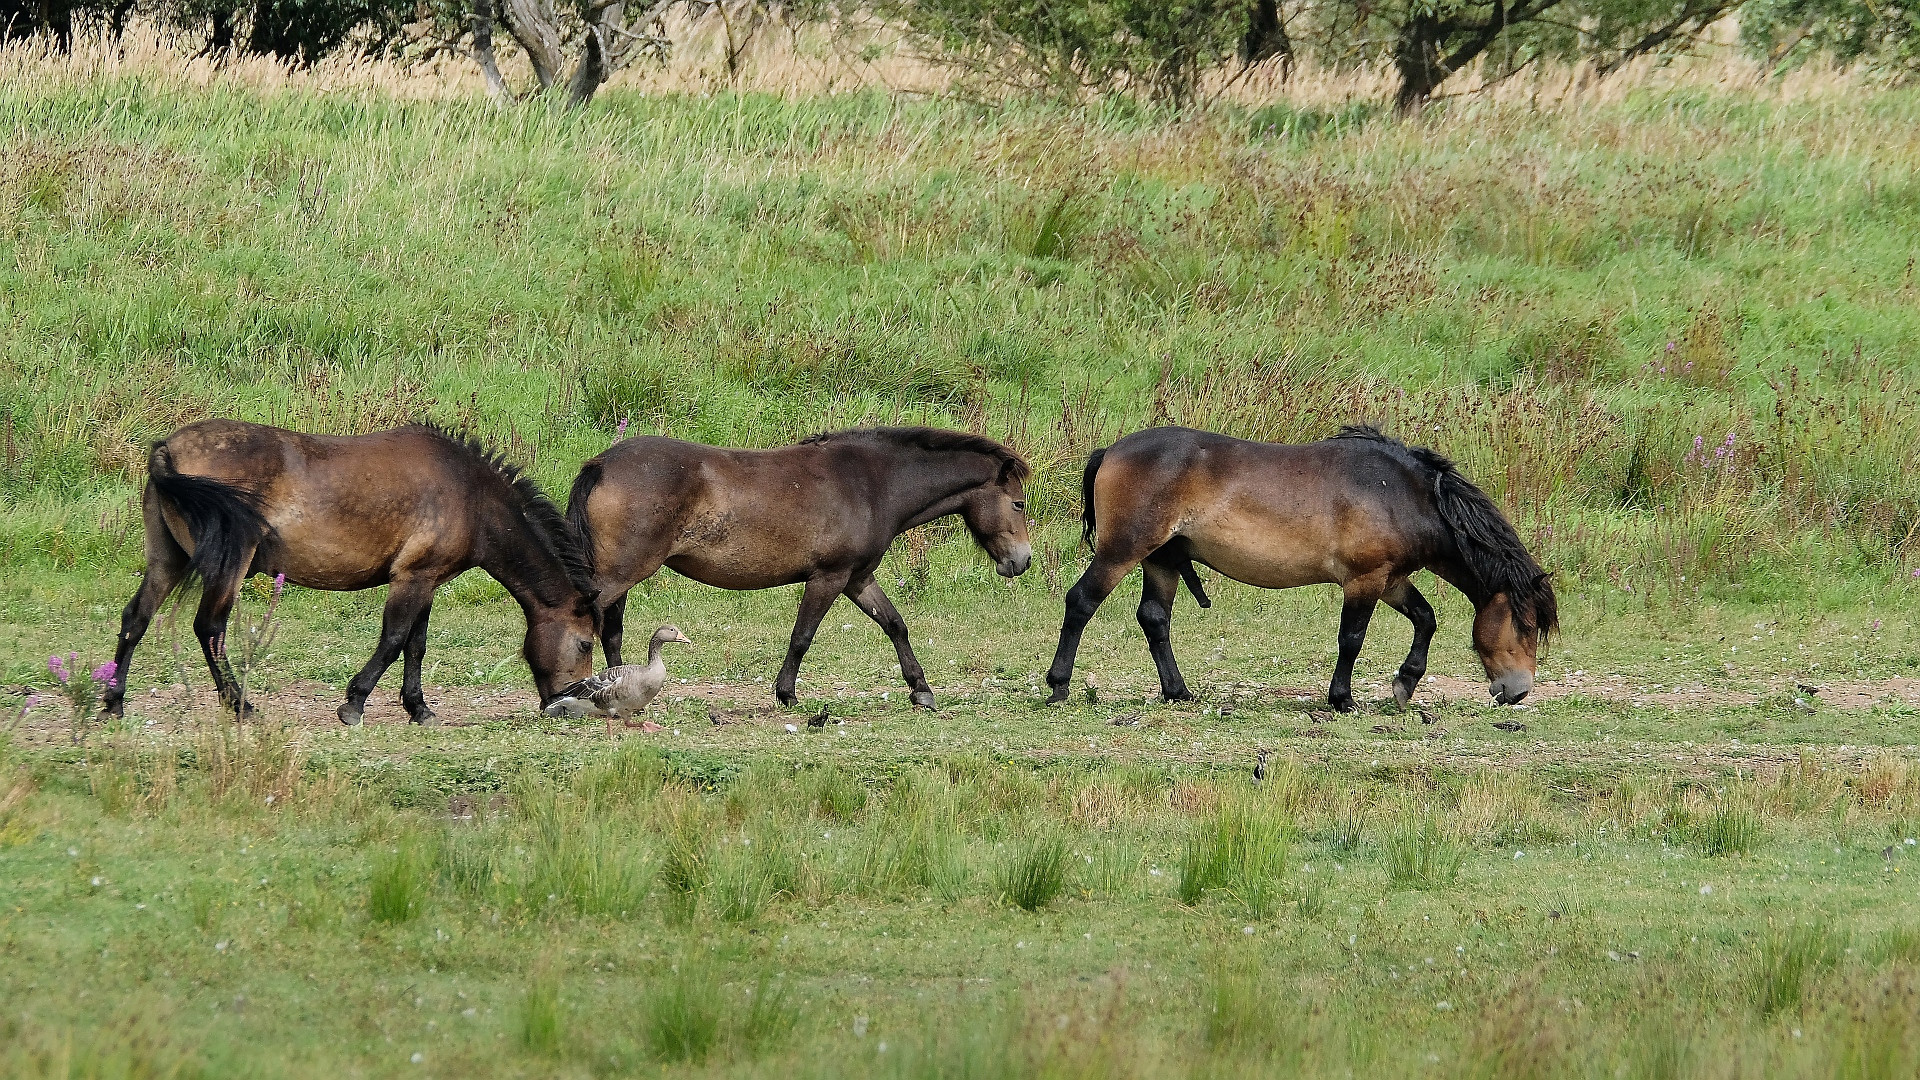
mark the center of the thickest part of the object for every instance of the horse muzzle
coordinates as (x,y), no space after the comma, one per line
(1015,562)
(1511,689)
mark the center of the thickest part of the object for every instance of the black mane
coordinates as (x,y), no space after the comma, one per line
(937,440)
(549,525)
(1489,548)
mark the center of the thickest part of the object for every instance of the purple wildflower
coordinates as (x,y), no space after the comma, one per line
(1669,346)
(279,584)
(58,668)
(620,432)
(32,703)
(105,672)
(1876,625)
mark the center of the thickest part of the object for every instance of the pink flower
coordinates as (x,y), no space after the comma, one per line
(621,431)
(105,672)
(1876,625)
(1669,346)
(58,667)
(279,584)
(32,702)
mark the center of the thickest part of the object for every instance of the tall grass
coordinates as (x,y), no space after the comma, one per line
(1789,959)
(739,301)
(1419,854)
(1240,849)
(542,1024)
(399,886)
(1035,873)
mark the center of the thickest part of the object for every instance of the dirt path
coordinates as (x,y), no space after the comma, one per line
(312,704)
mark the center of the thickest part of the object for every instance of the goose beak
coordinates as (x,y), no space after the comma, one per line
(684,639)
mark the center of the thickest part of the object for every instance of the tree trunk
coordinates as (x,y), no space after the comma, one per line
(533,25)
(220,35)
(596,59)
(1266,37)
(1416,56)
(483,51)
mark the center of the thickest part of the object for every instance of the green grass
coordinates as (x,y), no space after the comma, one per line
(1631,886)
(1033,876)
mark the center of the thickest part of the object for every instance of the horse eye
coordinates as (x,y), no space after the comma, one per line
(586,646)
(1020,504)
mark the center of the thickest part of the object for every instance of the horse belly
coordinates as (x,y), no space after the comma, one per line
(734,548)
(1269,566)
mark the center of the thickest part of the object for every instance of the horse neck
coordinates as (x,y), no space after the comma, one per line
(930,485)
(512,552)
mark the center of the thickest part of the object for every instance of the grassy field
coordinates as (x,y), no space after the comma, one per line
(1669,328)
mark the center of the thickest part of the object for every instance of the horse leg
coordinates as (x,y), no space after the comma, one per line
(166,566)
(1156,620)
(407,602)
(1407,601)
(411,695)
(210,626)
(1094,586)
(1353,632)
(814,603)
(866,594)
(613,627)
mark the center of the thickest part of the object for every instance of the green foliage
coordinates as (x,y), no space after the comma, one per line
(1128,45)
(1882,35)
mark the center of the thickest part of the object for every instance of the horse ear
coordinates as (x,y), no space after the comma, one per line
(1006,470)
(588,604)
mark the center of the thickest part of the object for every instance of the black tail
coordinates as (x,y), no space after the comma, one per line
(583,486)
(225,521)
(1086,494)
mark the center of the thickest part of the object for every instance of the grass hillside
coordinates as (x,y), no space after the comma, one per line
(1670,331)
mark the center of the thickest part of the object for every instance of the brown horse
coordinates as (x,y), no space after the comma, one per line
(1360,510)
(821,512)
(409,508)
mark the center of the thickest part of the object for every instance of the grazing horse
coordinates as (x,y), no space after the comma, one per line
(1360,510)
(409,508)
(821,512)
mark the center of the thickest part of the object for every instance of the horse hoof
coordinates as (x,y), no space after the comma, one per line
(426,718)
(1402,693)
(924,699)
(1182,694)
(1343,705)
(351,716)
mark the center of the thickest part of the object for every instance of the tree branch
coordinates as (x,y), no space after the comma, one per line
(1701,19)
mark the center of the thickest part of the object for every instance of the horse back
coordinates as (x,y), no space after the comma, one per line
(345,512)
(726,517)
(1270,514)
